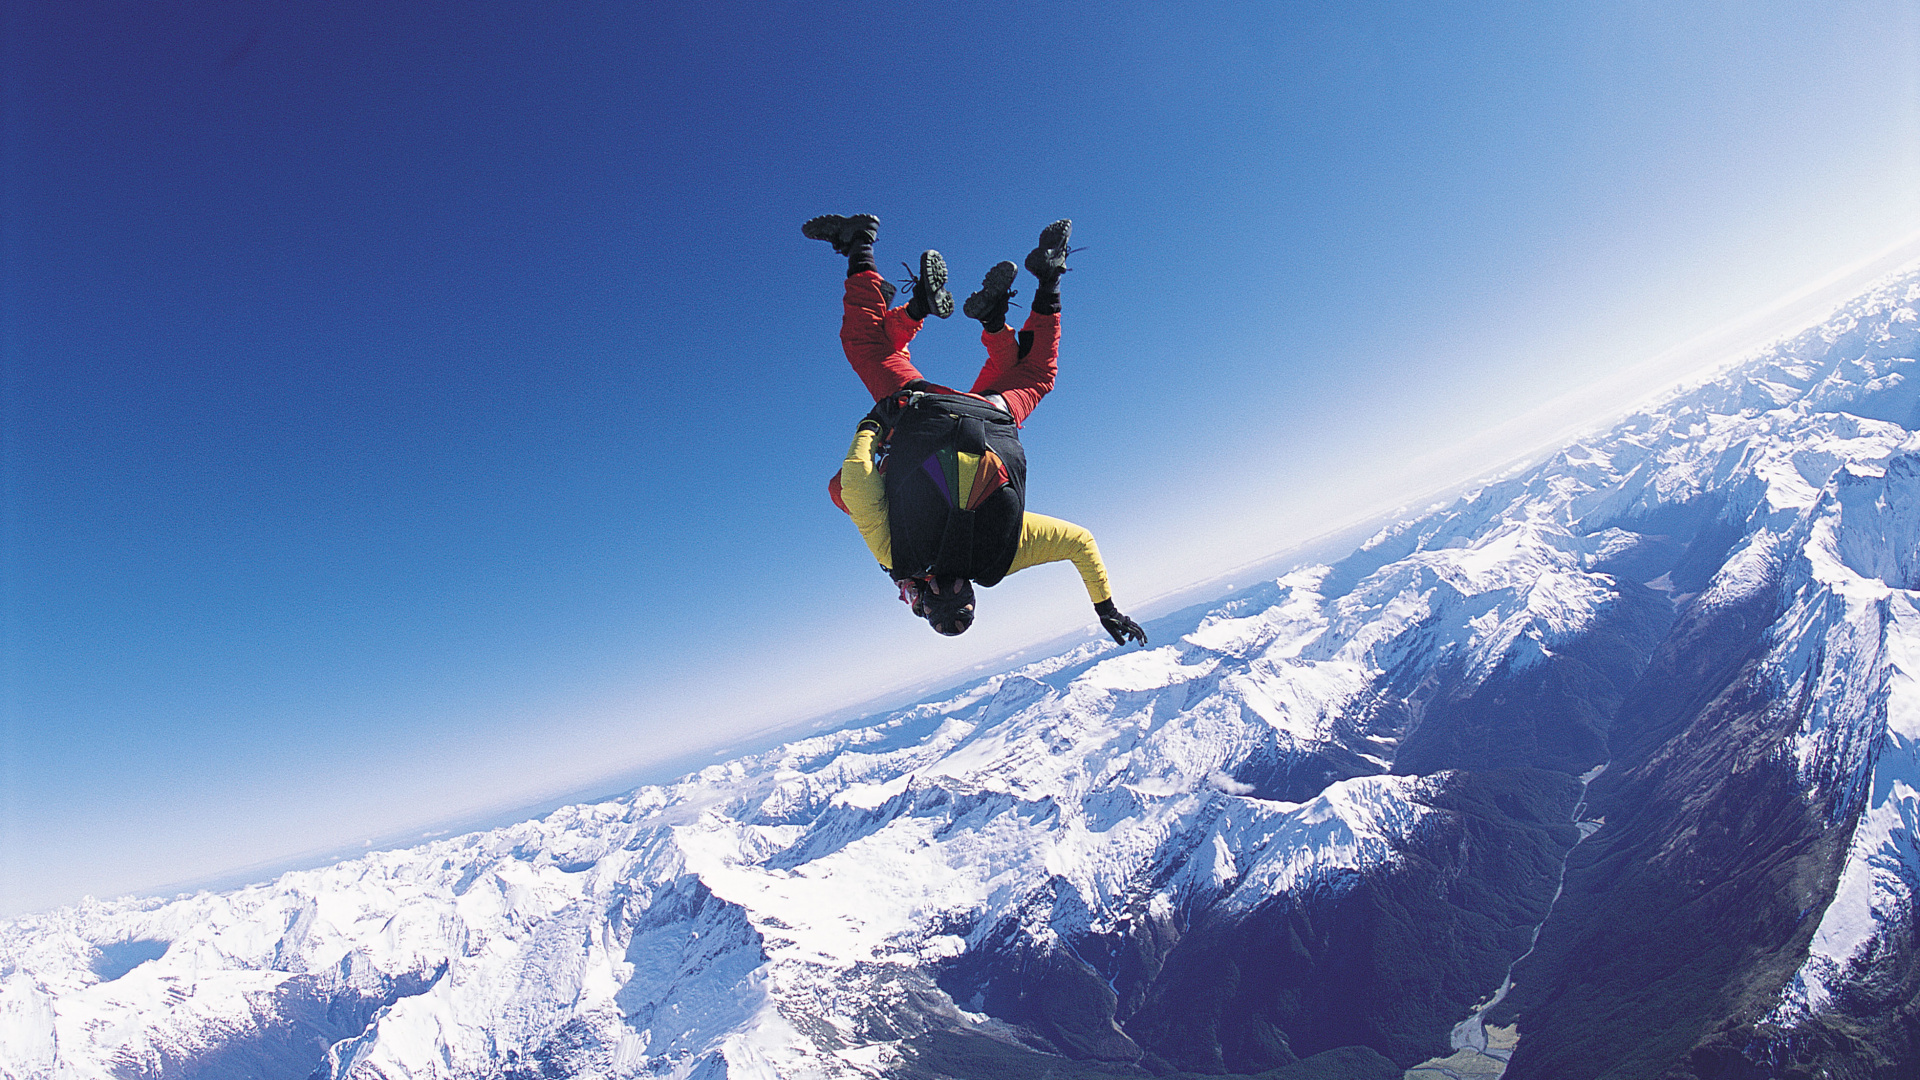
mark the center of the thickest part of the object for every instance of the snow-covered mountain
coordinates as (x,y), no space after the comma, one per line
(1607,768)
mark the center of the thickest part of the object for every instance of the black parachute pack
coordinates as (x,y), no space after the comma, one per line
(956,480)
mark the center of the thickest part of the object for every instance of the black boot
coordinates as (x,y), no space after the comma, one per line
(1047,262)
(989,305)
(930,295)
(850,236)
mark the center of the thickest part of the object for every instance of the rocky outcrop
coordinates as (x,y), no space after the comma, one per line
(1337,825)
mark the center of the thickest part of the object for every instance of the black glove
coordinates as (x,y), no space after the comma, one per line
(884,414)
(1117,624)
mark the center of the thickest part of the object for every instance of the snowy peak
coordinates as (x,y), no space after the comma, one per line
(1519,748)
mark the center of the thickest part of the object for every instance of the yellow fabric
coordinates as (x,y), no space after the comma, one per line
(865,493)
(1046,539)
(969,470)
(1043,539)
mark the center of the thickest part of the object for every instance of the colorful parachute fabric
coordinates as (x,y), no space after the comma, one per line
(966,479)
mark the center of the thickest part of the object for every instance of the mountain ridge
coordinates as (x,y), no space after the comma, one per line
(1632,728)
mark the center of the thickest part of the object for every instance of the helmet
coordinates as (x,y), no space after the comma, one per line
(946,603)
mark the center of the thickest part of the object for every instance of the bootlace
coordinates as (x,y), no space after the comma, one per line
(1064,253)
(912,281)
(1011,293)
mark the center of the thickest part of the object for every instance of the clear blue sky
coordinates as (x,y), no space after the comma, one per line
(414,409)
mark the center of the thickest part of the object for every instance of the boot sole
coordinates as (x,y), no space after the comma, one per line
(825,227)
(933,271)
(833,228)
(1052,238)
(994,288)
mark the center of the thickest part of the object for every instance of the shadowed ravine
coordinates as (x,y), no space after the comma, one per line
(1300,837)
(1477,1053)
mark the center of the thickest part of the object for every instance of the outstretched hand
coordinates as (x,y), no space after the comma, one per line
(1121,627)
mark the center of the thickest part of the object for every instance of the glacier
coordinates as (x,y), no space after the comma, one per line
(1633,730)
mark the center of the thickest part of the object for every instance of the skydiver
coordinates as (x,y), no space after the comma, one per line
(950,512)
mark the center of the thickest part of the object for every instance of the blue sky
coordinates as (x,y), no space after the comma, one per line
(416,410)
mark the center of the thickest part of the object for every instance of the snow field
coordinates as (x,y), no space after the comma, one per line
(781,915)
